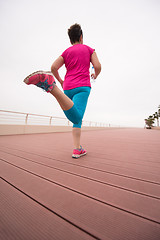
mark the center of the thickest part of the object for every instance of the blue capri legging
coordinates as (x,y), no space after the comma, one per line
(79,96)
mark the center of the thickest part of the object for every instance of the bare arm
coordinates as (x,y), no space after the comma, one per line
(55,66)
(96,64)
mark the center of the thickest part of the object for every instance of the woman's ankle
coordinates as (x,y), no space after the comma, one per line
(77,147)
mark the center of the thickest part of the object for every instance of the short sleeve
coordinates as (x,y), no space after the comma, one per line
(63,54)
(91,50)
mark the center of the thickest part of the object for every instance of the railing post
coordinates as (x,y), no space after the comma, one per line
(26,120)
(50,120)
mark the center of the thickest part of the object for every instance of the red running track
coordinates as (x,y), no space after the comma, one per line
(111,193)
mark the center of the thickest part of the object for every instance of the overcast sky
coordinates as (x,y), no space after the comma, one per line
(125,35)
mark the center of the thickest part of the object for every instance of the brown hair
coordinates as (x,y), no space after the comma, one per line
(75,32)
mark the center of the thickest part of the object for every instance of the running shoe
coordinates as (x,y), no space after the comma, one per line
(42,79)
(77,153)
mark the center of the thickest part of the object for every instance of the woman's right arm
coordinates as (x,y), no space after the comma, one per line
(96,64)
(55,66)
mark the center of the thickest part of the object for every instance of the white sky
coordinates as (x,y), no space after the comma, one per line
(125,34)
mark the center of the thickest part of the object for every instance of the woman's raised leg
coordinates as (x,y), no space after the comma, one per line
(45,80)
(64,101)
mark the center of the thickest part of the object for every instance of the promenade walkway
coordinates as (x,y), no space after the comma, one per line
(111,193)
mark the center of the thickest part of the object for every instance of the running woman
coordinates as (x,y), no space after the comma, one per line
(76,84)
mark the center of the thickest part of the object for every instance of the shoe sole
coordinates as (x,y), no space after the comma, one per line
(26,80)
(78,156)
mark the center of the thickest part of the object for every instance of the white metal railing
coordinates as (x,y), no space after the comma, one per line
(20,118)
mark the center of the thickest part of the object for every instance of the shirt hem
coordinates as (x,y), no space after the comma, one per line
(76,87)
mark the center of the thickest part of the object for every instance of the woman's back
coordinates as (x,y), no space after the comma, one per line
(77,61)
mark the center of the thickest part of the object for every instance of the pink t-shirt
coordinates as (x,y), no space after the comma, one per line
(77,61)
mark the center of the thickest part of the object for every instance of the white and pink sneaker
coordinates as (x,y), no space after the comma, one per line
(78,152)
(42,79)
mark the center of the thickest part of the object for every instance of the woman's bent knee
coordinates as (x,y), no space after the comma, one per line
(73,115)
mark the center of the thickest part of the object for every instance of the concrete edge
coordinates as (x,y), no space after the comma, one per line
(6,129)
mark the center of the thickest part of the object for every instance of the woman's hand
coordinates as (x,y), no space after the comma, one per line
(93,76)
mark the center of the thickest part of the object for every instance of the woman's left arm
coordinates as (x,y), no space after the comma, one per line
(54,68)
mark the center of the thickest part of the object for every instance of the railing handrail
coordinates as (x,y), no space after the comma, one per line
(33,114)
(84,122)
